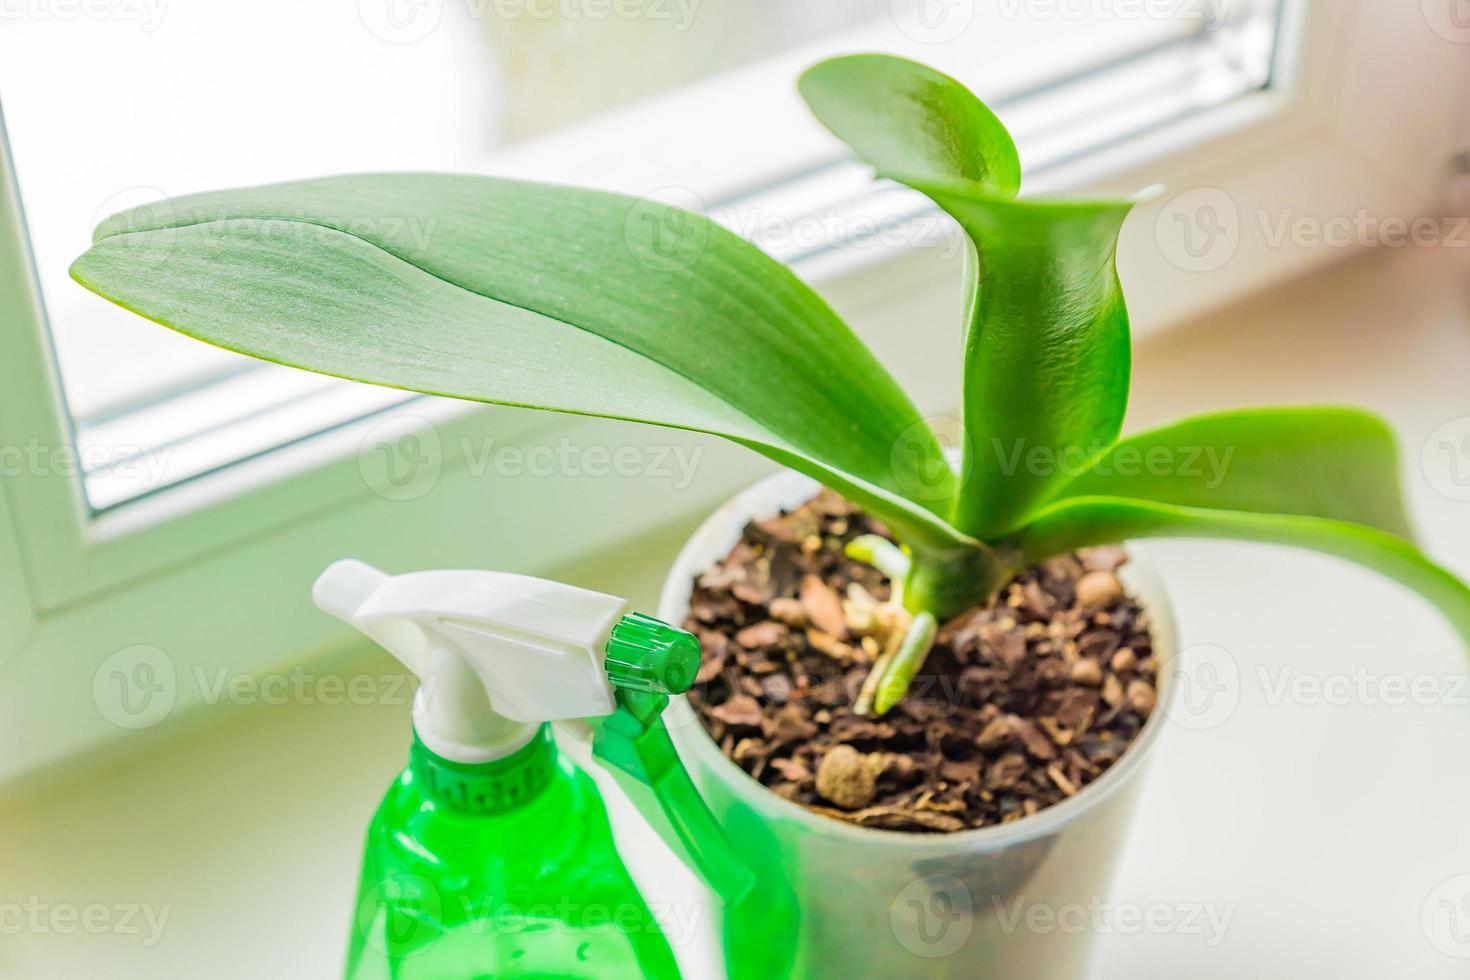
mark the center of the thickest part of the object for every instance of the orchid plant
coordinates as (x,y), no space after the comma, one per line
(592,303)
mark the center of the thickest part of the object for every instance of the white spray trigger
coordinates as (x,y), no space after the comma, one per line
(497,654)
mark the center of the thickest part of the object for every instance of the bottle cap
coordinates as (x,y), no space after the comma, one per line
(647,654)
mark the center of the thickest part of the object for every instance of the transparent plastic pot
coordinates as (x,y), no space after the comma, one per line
(1010,901)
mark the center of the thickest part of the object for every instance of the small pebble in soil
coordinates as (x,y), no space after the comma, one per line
(847,777)
(1021,704)
(1098,590)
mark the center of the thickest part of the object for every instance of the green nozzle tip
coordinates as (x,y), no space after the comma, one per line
(647,654)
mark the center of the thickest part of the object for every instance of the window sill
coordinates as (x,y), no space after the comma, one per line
(241,802)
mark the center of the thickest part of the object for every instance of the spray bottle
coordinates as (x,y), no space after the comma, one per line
(491,854)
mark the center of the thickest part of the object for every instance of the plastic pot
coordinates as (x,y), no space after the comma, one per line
(1005,901)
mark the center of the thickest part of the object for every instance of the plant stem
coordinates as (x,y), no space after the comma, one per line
(882,554)
(927,586)
(868,696)
(900,670)
(946,583)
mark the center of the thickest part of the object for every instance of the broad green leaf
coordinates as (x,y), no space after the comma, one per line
(1337,463)
(909,120)
(532,295)
(1047,350)
(1086,521)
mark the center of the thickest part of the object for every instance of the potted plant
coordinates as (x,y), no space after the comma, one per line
(996,574)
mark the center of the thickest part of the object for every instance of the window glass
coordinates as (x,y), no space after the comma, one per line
(117,103)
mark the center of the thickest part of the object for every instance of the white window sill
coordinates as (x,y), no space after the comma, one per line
(251,827)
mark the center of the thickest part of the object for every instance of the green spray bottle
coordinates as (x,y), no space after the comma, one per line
(491,854)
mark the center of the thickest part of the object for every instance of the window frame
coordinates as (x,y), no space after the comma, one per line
(238,549)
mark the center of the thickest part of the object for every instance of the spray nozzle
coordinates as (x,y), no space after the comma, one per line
(498,655)
(647,654)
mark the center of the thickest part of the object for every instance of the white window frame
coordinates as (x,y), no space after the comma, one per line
(216,572)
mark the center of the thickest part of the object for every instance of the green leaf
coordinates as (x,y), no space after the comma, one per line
(532,295)
(911,121)
(1047,351)
(1086,521)
(1336,463)
(1047,348)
